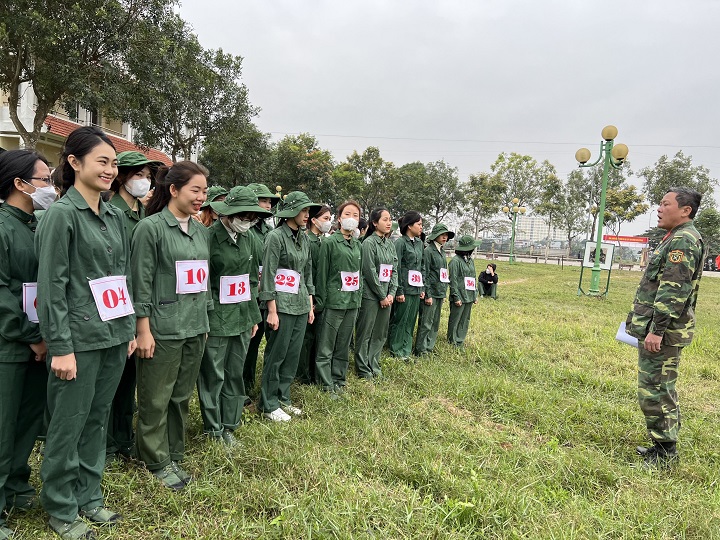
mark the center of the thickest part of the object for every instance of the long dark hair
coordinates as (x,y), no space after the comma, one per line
(375,216)
(408,219)
(177,175)
(16,164)
(79,144)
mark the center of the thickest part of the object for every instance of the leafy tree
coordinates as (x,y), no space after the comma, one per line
(676,172)
(591,177)
(410,190)
(377,176)
(707,223)
(444,191)
(550,203)
(522,175)
(623,205)
(484,195)
(299,164)
(69,52)
(573,209)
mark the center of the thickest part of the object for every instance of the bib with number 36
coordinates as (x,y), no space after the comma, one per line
(111,297)
(415,278)
(350,281)
(234,289)
(287,281)
(191,276)
(469,283)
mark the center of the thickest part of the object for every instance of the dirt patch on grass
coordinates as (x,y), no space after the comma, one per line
(513,281)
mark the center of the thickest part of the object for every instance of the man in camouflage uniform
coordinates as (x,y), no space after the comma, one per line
(663,320)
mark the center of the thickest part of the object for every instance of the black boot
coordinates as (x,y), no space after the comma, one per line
(661,453)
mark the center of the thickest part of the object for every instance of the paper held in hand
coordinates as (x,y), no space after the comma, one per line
(625,338)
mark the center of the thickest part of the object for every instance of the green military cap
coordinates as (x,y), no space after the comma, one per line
(132,158)
(293,202)
(263,192)
(467,243)
(239,199)
(439,229)
(213,193)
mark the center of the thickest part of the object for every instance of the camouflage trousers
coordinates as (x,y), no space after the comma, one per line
(657,375)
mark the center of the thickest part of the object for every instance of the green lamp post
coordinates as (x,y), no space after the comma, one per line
(612,156)
(512,215)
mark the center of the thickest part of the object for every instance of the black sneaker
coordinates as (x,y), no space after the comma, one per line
(661,454)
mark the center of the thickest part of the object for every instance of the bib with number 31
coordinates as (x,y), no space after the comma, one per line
(385,273)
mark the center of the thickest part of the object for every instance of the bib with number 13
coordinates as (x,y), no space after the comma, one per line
(234,289)
(191,276)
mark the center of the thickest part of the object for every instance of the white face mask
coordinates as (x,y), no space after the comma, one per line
(356,233)
(138,187)
(42,197)
(324,226)
(241,226)
(349,224)
(488,271)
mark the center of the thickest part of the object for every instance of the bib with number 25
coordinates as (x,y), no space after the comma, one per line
(234,289)
(287,281)
(111,297)
(415,278)
(350,281)
(191,276)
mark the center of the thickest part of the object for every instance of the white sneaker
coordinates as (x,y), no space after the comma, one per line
(294,411)
(278,415)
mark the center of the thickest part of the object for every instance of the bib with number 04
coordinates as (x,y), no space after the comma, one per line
(234,289)
(191,277)
(111,297)
(415,278)
(350,281)
(470,284)
(444,275)
(385,272)
(287,281)
(30,301)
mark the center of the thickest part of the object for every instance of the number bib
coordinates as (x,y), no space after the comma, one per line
(287,281)
(191,277)
(470,284)
(259,272)
(234,289)
(415,278)
(111,297)
(30,301)
(385,273)
(350,281)
(444,275)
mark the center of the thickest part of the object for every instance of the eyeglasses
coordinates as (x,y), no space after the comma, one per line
(46,179)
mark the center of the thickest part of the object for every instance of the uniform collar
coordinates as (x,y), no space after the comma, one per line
(74,196)
(173,222)
(118,202)
(14,211)
(676,228)
(222,233)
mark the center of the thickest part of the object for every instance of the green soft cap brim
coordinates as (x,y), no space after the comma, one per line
(449,233)
(291,213)
(223,209)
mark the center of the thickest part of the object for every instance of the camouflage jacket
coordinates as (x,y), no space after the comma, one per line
(665,299)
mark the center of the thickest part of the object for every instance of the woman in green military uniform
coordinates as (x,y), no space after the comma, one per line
(172,299)
(286,285)
(379,283)
(207,215)
(463,290)
(267,201)
(234,264)
(435,272)
(24,178)
(338,297)
(318,226)
(410,291)
(86,318)
(135,174)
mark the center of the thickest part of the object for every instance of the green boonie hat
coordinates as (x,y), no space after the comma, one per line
(213,193)
(262,191)
(467,243)
(293,202)
(239,199)
(132,158)
(439,229)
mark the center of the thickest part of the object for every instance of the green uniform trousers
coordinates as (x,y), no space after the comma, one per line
(23,387)
(220,383)
(458,323)
(657,375)
(306,365)
(488,290)
(250,366)
(75,445)
(120,434)
(428,326)
(402,326)
(165,383)
(371,330)
(280,361)
(333,347)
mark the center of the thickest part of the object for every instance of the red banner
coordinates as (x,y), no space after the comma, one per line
(632,239)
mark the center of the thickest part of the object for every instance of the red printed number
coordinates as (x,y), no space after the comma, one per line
(351,281)
(111,299)
(237,289)
(415,278)
(385,272)
(288,281)
(200,275)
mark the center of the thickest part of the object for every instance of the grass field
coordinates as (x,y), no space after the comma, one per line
(529,432)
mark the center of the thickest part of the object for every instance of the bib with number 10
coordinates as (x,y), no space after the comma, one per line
(30,301)
(444,276)
(191,277)
(415,278)
(469,284)
(350,281)
(111,297)
(234,289)
(287,281)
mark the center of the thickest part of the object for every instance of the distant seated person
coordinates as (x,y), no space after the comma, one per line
(488,281)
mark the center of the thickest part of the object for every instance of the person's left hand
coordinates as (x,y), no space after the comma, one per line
(428,301)
(652,343)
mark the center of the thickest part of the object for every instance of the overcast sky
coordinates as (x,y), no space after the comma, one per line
(465,80)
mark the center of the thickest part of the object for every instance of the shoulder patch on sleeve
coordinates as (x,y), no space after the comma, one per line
(676,256)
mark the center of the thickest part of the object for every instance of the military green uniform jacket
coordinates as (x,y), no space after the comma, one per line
(376,251)
(337,255)
(459,269)
(315,242)
(228,258)
(285,250)
(132,218)
(410,255)
(665,299)
(74,245)
(157,242)
(18,265)
(433,261)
